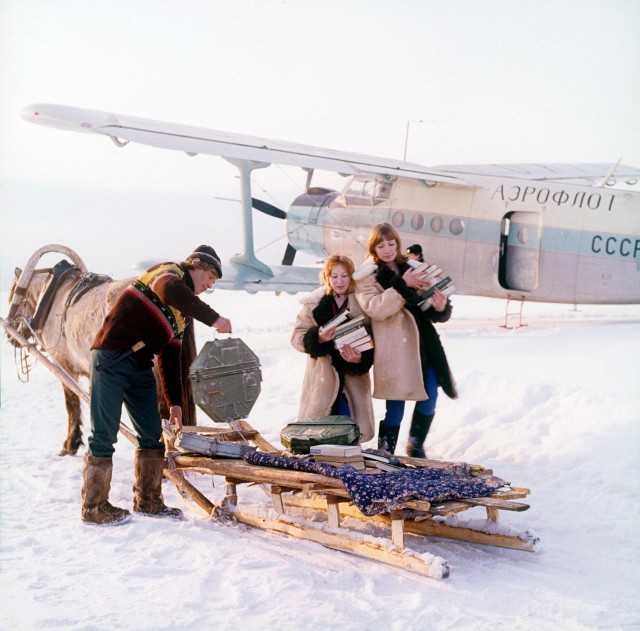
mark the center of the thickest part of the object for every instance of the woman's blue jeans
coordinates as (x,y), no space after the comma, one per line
(395,409)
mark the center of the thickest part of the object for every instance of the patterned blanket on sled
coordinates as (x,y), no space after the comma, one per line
(382,492)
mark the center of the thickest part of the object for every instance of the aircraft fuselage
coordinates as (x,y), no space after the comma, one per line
(503,237)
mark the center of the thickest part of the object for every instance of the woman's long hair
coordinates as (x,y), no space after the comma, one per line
(384,232)
(330,263)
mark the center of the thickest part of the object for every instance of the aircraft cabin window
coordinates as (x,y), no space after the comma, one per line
(398,219)
(456,226)
(437,224)
(417,222)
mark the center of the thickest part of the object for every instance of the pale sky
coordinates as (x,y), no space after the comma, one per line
(492,81)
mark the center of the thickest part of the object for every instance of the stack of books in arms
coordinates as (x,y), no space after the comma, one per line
(349,331)
(354,333)
(338,455)
(438,281)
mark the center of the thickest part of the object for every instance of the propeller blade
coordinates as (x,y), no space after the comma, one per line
(268,209)
(289,255)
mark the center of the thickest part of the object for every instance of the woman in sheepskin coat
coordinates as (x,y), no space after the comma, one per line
(410,363)
(335,382)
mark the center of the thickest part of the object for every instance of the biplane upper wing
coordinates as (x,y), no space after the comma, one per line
(196,140)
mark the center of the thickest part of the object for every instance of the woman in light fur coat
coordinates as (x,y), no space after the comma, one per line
(335,382)
(410,363)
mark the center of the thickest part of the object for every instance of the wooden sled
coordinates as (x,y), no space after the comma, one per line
(288,490)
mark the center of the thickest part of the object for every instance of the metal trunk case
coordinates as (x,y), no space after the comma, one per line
(225,378)
(300,436)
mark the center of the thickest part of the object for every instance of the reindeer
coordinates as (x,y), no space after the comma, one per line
(59,310)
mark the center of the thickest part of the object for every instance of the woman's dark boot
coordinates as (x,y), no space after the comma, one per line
(147,491)
(388,437)
(420,424)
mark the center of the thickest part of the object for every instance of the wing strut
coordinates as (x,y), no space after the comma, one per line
(248,256)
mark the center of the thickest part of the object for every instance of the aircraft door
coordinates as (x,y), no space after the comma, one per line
(520,239)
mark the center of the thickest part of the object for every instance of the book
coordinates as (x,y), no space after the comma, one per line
(335,321)
(365,345)
(418,265)
(359,465)
(383,466)
(336,450)
(360,340)
(338,455)
(434,271)
(427,302)
(355,340)
(356,463)
(350,337)
(337,459)
(374,457)
(354,333)
(427,270)
(438,281)
(350,325)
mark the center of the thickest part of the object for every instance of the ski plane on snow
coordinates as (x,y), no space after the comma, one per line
(567,233)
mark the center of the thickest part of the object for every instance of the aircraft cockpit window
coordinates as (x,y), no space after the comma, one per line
(382,190)
(367,191)
(369,188)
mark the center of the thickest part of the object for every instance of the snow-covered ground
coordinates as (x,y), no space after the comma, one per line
(553,407)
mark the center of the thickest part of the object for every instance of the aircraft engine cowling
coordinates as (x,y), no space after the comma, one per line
(304,231)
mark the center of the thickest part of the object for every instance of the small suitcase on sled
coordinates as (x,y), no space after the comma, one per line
(300,436)
(210,446)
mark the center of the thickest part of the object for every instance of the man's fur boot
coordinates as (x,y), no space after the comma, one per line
(388,437)
(96,483)
(147,489)
(420,424)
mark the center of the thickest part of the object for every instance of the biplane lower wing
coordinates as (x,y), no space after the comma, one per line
(287,278)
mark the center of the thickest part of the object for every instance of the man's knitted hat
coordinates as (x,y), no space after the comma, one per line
(207,255)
